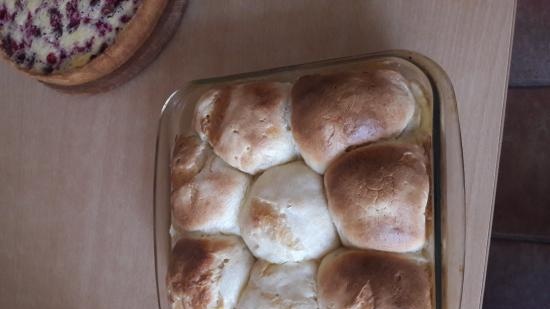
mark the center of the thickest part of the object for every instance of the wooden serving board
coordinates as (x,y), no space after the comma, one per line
(151,48)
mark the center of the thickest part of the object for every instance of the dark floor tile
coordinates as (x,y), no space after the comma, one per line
(518,276)
(522,204)
(530,54)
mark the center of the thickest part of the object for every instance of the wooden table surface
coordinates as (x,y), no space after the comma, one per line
(76,172)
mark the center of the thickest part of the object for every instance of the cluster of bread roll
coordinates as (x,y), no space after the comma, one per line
(279,176)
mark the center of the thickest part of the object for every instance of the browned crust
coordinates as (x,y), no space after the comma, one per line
(260,96)
(194,267)
(243,120)
(332,112)
(190,154)
(263,214)
(127,42)
(377,196)
(197,205)
(354,279)
(203,186)
(191,216)
(212,124)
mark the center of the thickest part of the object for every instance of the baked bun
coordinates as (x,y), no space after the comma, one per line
(368,280)
(208,272)
(190,153)
(281,286)
(377,197)
(210,193)
(285,216)
(247,124)
(333,112)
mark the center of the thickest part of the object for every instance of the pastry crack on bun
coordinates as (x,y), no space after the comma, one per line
(335,111)
(354,279)
(208,193)
(247,124)
(208,272)
(281,286)
(285,216)
(377,196)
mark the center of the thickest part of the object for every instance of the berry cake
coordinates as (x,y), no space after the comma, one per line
(55,40)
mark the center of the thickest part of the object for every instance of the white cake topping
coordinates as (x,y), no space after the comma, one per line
(44,36)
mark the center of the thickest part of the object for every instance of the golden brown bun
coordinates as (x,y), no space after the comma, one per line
(190,153)
(354,279)
(377,197)
(247,124)
(208,271)
(208,193)
(333,112)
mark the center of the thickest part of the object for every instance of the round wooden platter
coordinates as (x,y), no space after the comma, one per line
(151,48)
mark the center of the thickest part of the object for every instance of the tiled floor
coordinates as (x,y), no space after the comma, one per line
(518,274)
(530,57)
(522,205)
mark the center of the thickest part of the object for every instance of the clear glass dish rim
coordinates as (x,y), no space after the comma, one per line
(441,87)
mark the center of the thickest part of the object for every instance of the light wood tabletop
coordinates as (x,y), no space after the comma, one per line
(76,172)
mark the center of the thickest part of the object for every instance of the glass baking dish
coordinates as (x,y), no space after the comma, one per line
(446,209)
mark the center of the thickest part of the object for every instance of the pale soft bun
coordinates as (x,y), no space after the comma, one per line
(247,124)
(285,216)
(208,272)
(333,112)
(377,196)
(208,201)
(281,286)
(357,279)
